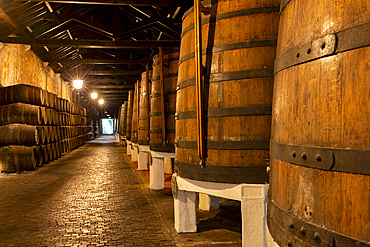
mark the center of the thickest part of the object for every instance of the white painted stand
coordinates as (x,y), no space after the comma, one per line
(128,144)
(253,199)
(134,152)
(185,212)
(157,168)
(208,202)
(143,160)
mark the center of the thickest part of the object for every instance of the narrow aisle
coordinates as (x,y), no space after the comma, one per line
(90,197)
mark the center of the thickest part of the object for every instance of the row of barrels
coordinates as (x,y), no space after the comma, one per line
(15,158)
(37,96)
(150,115)
(28,135)
(122,119)
(36,115)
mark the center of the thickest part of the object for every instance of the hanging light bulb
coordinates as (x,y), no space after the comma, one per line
(94,95)
(101,101)
(78,84)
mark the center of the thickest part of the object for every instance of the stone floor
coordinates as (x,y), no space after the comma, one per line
(93,196)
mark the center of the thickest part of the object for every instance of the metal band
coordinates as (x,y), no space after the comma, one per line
(143,128)
(156,114)
(167,60)
(226,145)
(228,15)
(352,38)
(283,4)
(156,95)
(229,47)
(229,76)
(143,118)
(222,174)
(229,112)
(159,131)
(289,230)
(165,76)
(167,148)
(330,159)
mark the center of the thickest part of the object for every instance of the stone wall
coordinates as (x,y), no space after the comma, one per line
(21,66)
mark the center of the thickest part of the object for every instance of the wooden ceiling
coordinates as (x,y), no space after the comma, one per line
(108,42)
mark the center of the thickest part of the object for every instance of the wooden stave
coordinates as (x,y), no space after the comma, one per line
(243,160)
(318,90)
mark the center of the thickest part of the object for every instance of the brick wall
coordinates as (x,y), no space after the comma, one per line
(18,66)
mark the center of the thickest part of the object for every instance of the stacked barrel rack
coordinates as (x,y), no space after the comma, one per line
(38,127)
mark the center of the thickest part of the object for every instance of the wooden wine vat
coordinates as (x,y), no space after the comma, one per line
(124,119)
(129,114)
(17,158)
(160,141)
(20,113)
(320,159)
(135,113)
(22,93)
(143,130)
(19,134)
(239,47)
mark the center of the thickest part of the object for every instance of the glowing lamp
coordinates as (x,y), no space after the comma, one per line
(94,95)
(101,101)
(78,84)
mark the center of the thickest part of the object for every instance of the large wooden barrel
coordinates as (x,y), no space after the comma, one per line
(124,119)
(17,158)
(20,113)
(22,93)
(320,144)
(240,40)
(170,68)
(143,130)
(135,113)
(19,134)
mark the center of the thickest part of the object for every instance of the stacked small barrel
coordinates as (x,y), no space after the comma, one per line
(37,127)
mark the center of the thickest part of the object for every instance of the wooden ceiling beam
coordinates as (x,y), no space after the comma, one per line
(112,73)
(95,44)
(159,3)
(99,61)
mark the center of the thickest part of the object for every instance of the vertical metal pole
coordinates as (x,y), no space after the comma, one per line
(161,75)
(147,98)
(198,78)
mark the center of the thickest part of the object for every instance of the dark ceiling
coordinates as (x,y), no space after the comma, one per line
(108,42)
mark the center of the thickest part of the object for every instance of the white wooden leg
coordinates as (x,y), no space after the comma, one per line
(143,160)
(185,211)
(254,213)
(208,202)
(134,152)
(157,173)
(128,148)
(167,165)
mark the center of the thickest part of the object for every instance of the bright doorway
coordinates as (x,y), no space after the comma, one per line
(107,126)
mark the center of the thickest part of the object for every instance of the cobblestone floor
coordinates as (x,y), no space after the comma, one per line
(90,197)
